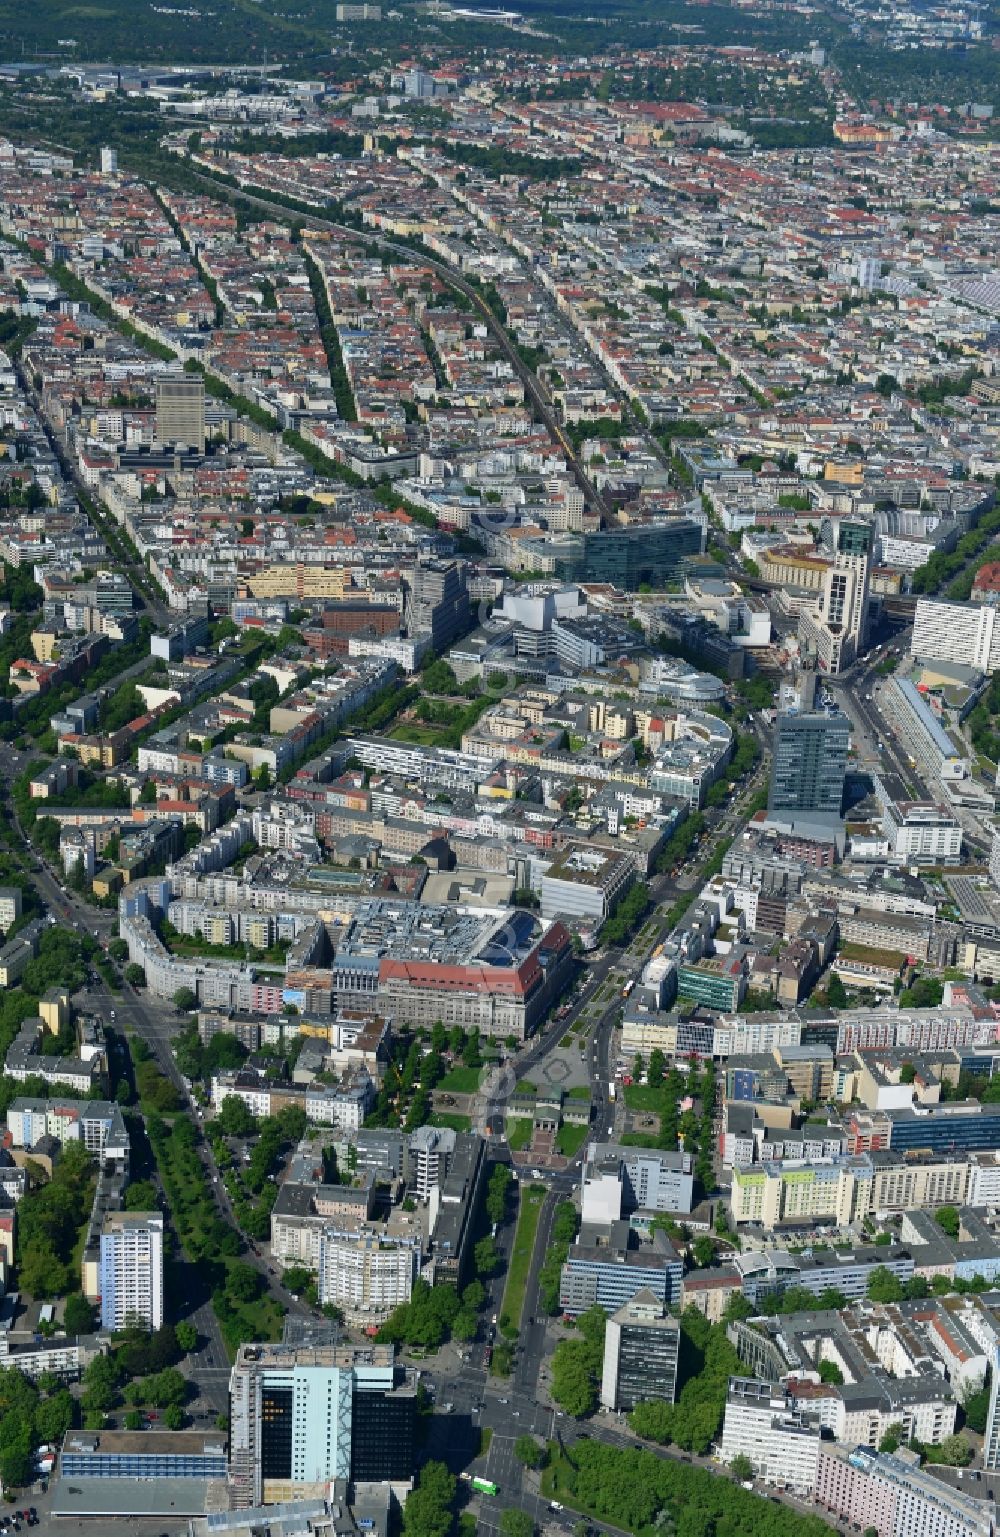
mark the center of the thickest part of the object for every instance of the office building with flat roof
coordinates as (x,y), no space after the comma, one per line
(303,1414)
(641,1344)
(607,1267)
(180,410)
(810,765)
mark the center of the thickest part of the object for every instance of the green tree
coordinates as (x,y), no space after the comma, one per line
(474,1296)
(830,1372)
(141,1196)
(893,1438)
(741,1467)
(577,1364)
(465,1325)
(496,1193)
(185,1000)
(173,1417)
(516,1523)
(977,1407)
(16,1465)
(187,1336)
(235,1118)
(164,1388)
(528,1452)
(244,1282)
(485,1257)
(948,1220)
(78,1315)
(836,992)
(428,1509)
(924,993)
(653,1421)
(883,1286)
(954,1450)
(296,1278)
(54,1416)
(135,976)
(573,1385)
(703,1250)
(101,1380)
(222,1051)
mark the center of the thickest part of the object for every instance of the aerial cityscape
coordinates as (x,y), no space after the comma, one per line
(500,769)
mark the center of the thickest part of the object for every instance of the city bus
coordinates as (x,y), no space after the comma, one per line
(485,1486)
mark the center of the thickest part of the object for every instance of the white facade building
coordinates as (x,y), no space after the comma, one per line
(920,832)
(132,1269)
(365,1274)
(761,1425)
(967,634)
(984,1180)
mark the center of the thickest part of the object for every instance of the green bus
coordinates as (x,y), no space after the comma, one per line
(485,1486)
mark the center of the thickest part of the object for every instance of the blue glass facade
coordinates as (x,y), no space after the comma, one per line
(100,1464)
(946,1133)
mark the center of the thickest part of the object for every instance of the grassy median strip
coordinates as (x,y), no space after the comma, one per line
(520,1259)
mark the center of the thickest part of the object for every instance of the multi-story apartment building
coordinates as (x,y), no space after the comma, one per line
(366,1262)
(97,1123)
(180,410)
(131,1275)
(766,1273)
(891,1373)
(366,1273)
(342,1105)
(964,633)
(841,1189)
(305,1207)
(836,630)
(821,1189)
(922,832)
(431,1150)
(10,906)
(991,1441)
(894,1497)
(439,602)
(762,1424)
